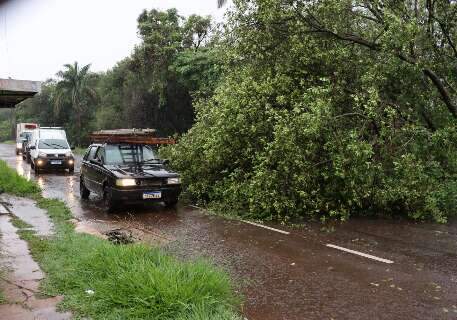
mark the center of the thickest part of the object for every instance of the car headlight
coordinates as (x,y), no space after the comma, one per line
(42,155)
(125,182)
(69,154)
(174,180)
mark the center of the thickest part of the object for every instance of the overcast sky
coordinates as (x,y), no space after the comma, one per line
(38,36)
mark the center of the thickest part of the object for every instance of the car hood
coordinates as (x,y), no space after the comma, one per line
(54,151)
(141,171)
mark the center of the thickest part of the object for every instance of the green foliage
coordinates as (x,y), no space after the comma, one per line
(74,89)
(328,110)
(13,183)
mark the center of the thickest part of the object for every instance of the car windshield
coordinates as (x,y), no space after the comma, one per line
(130,154)
(53,144)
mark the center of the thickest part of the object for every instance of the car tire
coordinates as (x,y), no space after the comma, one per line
(83,191)
(29,160)
(37,170)
(109,204)
(71,169)
(17,152)
(171,203)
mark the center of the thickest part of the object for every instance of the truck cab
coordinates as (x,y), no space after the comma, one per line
(23,134)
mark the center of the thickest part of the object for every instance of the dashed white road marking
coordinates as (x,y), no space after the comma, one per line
(249,222)
(369,256)
(266,227)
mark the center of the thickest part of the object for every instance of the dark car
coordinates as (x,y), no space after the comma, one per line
(127,173)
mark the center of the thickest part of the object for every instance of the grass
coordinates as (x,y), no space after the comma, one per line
(2,295)
(2,275)
(79,151)
(127,281)
(12,182)
(9,142)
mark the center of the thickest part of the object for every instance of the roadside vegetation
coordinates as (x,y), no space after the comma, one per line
(291,109)
(101,280)
(329,109)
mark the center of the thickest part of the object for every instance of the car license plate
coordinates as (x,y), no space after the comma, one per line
(56,162)
(152,195)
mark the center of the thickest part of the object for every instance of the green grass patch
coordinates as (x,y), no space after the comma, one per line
(12,182)
(9,142)
(128,281)
(2,295)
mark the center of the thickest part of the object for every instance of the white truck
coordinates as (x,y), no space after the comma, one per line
(49,149)
(23,134)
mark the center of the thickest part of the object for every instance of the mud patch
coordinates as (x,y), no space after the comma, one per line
(120,236)
(135,232)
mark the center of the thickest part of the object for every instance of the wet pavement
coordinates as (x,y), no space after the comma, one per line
(21,274)
(293,275)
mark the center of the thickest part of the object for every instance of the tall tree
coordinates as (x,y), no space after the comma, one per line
(73,87)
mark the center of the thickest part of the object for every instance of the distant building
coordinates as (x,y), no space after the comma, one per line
(13,92)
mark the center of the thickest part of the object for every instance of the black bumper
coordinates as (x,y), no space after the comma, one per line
(50,164)
(169,193)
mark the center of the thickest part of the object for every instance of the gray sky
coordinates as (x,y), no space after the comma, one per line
(38,36)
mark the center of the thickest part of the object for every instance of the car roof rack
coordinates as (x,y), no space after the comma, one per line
(130,136)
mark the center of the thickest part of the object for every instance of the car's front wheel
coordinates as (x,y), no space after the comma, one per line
(71,169)
(83,191)
(109,202)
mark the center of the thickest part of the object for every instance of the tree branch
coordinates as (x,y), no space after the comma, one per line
(443,91)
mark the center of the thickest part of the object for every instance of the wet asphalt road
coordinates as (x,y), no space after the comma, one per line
(295,275)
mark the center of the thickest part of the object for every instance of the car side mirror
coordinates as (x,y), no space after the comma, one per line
(165,161)
(32,147)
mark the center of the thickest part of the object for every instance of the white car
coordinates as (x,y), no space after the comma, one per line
(50,150)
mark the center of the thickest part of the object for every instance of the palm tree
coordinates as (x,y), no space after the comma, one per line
(73,87)
(220,3)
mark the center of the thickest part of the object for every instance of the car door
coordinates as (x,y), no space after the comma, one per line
(98,170)
(88,170)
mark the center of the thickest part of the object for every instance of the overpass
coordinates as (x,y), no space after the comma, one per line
(13,92)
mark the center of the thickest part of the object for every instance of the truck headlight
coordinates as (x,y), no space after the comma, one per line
(174,180)
(125,182)
(42,155)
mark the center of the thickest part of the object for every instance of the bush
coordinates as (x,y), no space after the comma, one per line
(250,159)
